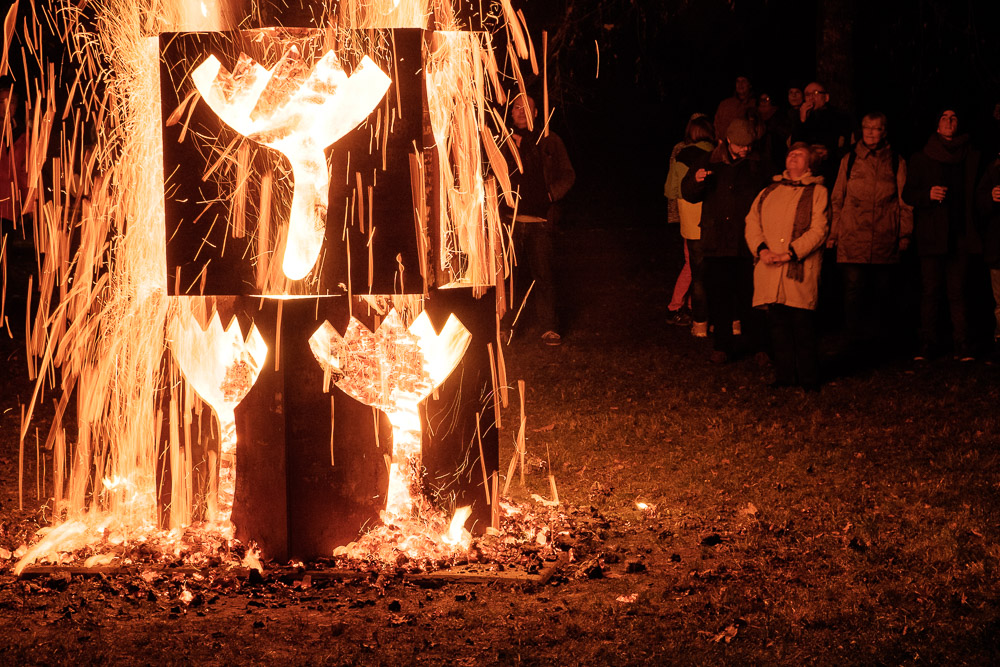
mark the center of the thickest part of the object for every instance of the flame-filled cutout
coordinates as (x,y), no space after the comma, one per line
(393,369)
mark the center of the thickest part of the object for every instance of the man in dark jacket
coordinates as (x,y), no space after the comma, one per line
(544,177)
(726,182)
(939,186)
(825,128)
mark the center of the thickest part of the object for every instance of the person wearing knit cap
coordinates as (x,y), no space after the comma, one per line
(786,230)
(726,182)
(940,187)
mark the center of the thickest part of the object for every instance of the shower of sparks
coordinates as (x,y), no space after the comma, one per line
(107,341)
(299,113)
(394,369)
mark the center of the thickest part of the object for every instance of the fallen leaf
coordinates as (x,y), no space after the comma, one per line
(627,599)
(728,634)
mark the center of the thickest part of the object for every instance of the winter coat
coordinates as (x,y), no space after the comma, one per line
(689,213)
(769,224)
(726,195)
(869,215)
(546,177)
(672,186)
(940,228)
(989,215)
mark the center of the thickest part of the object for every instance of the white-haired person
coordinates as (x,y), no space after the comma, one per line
(786,231)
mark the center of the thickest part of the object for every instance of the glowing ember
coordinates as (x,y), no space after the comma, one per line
(298,113)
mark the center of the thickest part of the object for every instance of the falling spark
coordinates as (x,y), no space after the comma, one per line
(107,336)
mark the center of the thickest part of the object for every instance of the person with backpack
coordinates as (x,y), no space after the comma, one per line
(871,227)
(785,230)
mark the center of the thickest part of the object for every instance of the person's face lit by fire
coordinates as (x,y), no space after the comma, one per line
(765,107)
(795,97)
(738,151)
(816,96)
(520,109)
(872,132)
(742,87)
(948,124)
(797,162)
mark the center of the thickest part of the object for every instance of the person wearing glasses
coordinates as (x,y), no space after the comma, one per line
(773,132)
(824,128)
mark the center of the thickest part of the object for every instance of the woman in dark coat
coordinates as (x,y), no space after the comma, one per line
(940,186)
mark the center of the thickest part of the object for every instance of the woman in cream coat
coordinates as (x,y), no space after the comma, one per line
(786,230)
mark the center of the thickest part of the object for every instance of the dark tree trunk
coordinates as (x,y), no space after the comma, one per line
(835,51)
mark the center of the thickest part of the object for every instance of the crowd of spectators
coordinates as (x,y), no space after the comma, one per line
(766,193)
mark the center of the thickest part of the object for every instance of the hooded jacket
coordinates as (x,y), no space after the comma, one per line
(689,213)
(941,228)
(869,216)
(726,195)
(546,177)
(770,223)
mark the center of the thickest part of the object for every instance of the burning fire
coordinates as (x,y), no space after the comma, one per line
(394,369)
(104,319)
(298,113)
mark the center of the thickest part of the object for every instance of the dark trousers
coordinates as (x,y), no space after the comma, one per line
(696,259)
(869,307)
(729,290)
(793,337)
(533,244)
(942,276)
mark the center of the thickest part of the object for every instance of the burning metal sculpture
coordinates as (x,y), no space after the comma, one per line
(299,113)
(401,212)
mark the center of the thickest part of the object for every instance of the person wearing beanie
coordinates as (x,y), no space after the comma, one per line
(786,230)
(940,187)
(726,181)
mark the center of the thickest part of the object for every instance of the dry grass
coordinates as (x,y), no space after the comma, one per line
(854,526)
